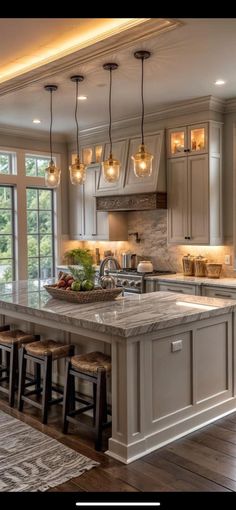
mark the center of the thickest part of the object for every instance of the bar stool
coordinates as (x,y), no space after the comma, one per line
(42,353)
(10,341)
(92,367)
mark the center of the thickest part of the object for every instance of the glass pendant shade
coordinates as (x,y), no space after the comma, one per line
(52,173)
(77,169)
(111,166)
(77,172)
(142,162)
(52,176)
(111,169)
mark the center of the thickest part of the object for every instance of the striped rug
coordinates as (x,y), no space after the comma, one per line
(31,461)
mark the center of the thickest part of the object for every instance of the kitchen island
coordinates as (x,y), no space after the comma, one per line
(173,358)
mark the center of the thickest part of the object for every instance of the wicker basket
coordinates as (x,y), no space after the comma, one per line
(87,296)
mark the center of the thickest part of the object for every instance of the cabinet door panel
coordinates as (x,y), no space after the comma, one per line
(76,212)
(180,289)
(198,199)
(219,292)
(177,142)
(135,184)
(90,204)
(119,150)
(198,138)
(177,200)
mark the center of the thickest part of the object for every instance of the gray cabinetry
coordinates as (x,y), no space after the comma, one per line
(194,185)
(87,223)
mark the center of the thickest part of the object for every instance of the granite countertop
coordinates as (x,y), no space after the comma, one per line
(196,280)
(127,316)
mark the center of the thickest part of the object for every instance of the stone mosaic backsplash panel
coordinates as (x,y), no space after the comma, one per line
(152,229)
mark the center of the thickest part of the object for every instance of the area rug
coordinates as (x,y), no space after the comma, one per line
(31,461)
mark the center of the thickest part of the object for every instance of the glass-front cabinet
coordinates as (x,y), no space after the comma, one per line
(92,154)
(187,140)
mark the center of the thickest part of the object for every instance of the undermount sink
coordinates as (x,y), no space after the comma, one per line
(200,306)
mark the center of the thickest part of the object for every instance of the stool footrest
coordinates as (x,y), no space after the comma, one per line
(29,401)
(81,410)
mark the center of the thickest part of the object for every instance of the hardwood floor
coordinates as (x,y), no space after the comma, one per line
(204,461)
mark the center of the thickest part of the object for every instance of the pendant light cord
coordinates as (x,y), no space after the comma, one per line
(76,119)
(110,111)
(142,99)
(50,132)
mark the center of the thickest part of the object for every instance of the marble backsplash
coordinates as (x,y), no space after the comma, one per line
(152,229)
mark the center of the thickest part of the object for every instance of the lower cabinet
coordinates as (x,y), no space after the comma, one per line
(182,288)
(218,292)
(88,224)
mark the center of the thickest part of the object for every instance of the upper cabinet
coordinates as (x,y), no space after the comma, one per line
(128,183)
(92,154)
(119,150)
(194,188)
(88,224)
(187,140)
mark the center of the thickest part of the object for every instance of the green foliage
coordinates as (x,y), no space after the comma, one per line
(84,260)
(79,256)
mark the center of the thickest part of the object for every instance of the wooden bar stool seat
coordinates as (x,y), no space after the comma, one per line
(10,342)
(42,353)
(92,367)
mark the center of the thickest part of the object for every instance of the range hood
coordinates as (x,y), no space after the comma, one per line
(132,202)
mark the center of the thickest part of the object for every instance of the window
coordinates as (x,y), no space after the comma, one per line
(7,163)
(40,233)
(35,165)
(7,256)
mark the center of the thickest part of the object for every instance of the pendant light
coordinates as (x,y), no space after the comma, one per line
(77,169)
(111,166)
(52,173)
(142,159)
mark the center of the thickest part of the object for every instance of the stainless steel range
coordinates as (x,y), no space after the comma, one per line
(133,282)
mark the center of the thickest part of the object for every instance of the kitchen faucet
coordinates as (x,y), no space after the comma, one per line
(103,263)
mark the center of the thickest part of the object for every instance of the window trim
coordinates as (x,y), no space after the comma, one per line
(20,181)
(13,234)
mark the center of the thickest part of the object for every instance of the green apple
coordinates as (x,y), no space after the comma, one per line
(75,285)
(87,285)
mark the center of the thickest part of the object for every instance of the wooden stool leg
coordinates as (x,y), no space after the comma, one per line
(22,376)
(37,374)
(94,402)
(13,374)
(101,401)
(67,397)
(47,387)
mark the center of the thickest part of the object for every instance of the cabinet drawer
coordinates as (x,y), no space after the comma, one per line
(219,292)
(174,287)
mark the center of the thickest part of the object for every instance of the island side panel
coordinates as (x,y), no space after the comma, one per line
(185,381)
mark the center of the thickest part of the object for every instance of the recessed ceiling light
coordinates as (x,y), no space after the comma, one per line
(219,82)
(82,98)
(36,121)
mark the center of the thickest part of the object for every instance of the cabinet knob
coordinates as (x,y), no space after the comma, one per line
(186,150)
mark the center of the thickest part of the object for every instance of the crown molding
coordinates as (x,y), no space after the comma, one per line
(114,43)
(230,105)
(164,111)
(30,134)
